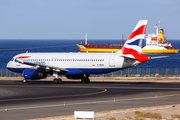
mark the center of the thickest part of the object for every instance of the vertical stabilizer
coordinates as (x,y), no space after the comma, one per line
(133,44)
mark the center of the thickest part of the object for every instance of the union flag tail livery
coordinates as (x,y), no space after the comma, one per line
(134,42)
(133,45)
(35,66)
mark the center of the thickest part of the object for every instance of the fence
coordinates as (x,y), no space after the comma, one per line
(145,72)
(6,73)
(130,72)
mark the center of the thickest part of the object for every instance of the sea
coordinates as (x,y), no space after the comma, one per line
(10,48)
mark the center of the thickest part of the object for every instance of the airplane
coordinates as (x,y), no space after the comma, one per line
(35,66)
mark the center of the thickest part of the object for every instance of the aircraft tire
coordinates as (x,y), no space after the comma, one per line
(83,80)
(24,81)
(87,80)
(55,81)
(60,81)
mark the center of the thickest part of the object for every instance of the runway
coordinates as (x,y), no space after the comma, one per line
(40,99)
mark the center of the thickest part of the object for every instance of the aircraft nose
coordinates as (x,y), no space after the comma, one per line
(9,64)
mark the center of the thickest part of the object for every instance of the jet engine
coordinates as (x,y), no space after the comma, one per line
(34,74)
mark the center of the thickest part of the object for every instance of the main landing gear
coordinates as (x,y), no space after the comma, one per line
(57,81)
(85,79)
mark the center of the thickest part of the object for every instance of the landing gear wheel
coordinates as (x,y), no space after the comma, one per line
(59,81)
(87,80)
(55,81)
(83,80)
(24,81)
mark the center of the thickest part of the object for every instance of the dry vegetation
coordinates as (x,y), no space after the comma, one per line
(112,118)
(147,116)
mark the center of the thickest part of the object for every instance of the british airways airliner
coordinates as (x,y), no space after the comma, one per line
(80,65)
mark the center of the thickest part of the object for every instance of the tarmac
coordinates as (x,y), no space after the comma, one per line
(165,110)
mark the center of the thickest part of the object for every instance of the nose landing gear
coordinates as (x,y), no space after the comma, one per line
(25,81)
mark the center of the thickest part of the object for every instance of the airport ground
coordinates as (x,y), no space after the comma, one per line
(111,79)
(107,96)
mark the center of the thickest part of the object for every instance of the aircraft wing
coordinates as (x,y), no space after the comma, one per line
(45,67)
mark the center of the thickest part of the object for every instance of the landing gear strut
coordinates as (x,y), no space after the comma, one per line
(85,79)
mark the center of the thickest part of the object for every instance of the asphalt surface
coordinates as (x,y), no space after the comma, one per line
(40,99)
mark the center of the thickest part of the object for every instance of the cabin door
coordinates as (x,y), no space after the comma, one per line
(111,60)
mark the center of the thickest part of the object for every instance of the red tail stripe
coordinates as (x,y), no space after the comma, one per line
(139,31)
(129,51)
(137,55)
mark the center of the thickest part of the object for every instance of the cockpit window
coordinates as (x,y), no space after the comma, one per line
(12,59)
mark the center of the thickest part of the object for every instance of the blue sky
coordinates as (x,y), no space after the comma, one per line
(71,19)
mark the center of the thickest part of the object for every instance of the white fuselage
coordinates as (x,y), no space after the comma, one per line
(91,63)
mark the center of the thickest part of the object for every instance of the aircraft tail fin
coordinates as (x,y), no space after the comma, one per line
(133,44)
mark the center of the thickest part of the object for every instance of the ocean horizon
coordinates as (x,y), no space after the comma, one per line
(9,48)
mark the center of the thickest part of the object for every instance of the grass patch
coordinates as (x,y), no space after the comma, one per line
(112,118)
(128,117)
(139,119)
(174,106)
(175,116)
(147,115)
(153,115)
(139,114)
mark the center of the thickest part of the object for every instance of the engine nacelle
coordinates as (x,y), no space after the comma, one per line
(33,74)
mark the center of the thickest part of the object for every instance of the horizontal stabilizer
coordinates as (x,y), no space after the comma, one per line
(159,57)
